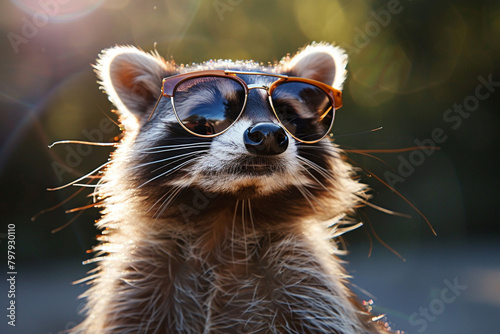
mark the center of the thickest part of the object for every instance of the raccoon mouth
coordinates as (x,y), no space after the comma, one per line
(248,177)
(255,169)
(249,168)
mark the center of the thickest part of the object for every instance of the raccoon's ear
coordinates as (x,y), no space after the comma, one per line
(319,61)
(132,79)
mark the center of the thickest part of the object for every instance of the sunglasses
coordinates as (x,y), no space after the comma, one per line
(208,103)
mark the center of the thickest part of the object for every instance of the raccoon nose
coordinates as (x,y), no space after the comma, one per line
(265,139)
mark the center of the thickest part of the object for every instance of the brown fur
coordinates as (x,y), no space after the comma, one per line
(180,254)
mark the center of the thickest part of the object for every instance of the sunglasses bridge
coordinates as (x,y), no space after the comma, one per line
(259,86)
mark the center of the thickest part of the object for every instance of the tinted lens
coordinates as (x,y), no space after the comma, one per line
(208,105)
(305,110)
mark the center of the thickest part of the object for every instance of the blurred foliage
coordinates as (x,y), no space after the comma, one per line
(409,62)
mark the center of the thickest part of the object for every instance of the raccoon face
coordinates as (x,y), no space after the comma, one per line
(243,134)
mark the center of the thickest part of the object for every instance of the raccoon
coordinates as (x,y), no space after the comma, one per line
(223,200)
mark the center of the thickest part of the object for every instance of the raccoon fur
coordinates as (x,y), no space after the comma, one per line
(199,235)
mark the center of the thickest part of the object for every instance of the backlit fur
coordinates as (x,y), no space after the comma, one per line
(201,236)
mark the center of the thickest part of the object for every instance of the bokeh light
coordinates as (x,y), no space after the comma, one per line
(61,11)
(388,76)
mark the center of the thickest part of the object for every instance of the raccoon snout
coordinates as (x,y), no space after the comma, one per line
(265,139)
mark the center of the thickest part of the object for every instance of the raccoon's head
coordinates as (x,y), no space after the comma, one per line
(234,129)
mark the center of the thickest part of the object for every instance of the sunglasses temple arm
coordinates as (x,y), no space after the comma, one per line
(154,108)
(325,113)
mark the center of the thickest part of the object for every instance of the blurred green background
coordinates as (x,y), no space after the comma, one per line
(410,62)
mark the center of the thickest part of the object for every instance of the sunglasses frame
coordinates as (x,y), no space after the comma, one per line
(170,84)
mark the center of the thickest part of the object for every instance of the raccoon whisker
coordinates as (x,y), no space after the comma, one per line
(257,251)
(365,292)
(95,194)
(80,178)
(84,185)
(194,155)
(168,200)
(308,149)
(357,133)
(244,232)
(304,192)
(167,148)
(57,205)
(304,167)
(175,145)
(323,172)
(161,198)
(382,242)
(81,142)
(171,170)
(251,218)
(68,223)
(384,210)
(371,156)
(393,150)
(193,148)
(233,228)
(401,196)
(301,157)
(166,159)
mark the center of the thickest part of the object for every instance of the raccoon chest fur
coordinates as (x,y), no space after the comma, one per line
(223,199)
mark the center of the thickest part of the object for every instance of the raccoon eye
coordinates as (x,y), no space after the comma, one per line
(288,115)
(304,109)
(208,105)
